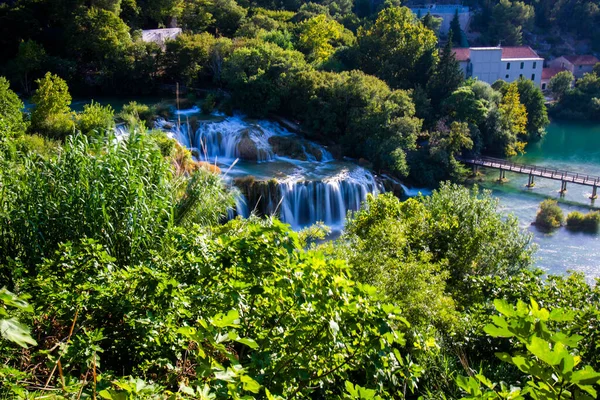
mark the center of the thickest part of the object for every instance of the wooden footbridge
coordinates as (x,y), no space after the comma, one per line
(534,171)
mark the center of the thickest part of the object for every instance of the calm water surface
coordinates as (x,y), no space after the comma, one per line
(568,146)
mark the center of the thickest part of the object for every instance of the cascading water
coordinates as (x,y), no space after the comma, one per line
(329,200)
(233,138)
(278,171)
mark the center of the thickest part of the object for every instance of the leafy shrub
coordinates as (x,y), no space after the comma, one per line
(52,115)
(209,103)
(134,111)
(95,117)
(549,216)
(122,194)
(548,357)
(583,222)
(37,144)
(11,116)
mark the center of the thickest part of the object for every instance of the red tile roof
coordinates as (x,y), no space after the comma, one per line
(582,60)
(462,53)
(518,52)
(548,73)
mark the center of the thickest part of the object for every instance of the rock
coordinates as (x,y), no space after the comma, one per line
(262,196)
(363,162)
(336,152)
(286,146)
(313,150)
(247,150)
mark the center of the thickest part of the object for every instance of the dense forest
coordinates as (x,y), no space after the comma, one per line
(124,277)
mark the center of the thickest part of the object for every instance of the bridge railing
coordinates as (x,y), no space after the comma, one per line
(528,168)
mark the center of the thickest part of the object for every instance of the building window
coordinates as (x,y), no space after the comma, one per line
(507,65)
(522,64)
(543,86)
(533,77)
(506,76)
(581,66)
(520,76)
(534,64)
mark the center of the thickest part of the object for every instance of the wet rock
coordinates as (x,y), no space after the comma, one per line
(286,146)
(336,152)
(363,162)
(261,196)
(247,150)
(314,151)
(391,185)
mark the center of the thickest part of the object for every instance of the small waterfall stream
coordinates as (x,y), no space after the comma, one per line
(278,171)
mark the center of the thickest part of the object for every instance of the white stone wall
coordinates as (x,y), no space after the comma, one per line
(528,68)
(486,63)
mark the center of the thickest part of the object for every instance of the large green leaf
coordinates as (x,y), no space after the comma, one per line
(11,329)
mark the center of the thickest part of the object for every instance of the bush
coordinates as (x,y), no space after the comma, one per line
(583,222)
(52,115)
(209,103)
(549,216)
(11,117)
(135,112)
(95,117)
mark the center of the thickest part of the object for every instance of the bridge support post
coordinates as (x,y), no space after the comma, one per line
(563,188)
(502,177)
(594,196)
(531,182)
(475,169)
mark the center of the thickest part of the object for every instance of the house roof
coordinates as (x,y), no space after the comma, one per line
(508,53)
(582,60)
(548,73)
(160,36)
(518,52)
(462,53)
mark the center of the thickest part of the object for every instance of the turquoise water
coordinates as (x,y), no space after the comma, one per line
(568,146)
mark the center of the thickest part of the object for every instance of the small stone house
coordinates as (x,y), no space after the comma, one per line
(578,65)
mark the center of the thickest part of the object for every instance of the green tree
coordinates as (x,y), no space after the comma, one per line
(464,105)
(431,22)
(95,118)
(228,16)
(376,244)
(447,142)
(597,69)
(319,36)
(393,47)
(513,119)
(532,98)
(52,114)
(560,83)
(187,58)
(29,60)
(507,22)
(196,16)
(11,115)
(447,76)
(455,34)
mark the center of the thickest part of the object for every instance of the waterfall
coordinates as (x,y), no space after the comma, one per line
(233,138)
(282,173)
(306,202)
(412,192)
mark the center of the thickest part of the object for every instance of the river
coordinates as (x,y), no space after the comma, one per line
(573,147)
